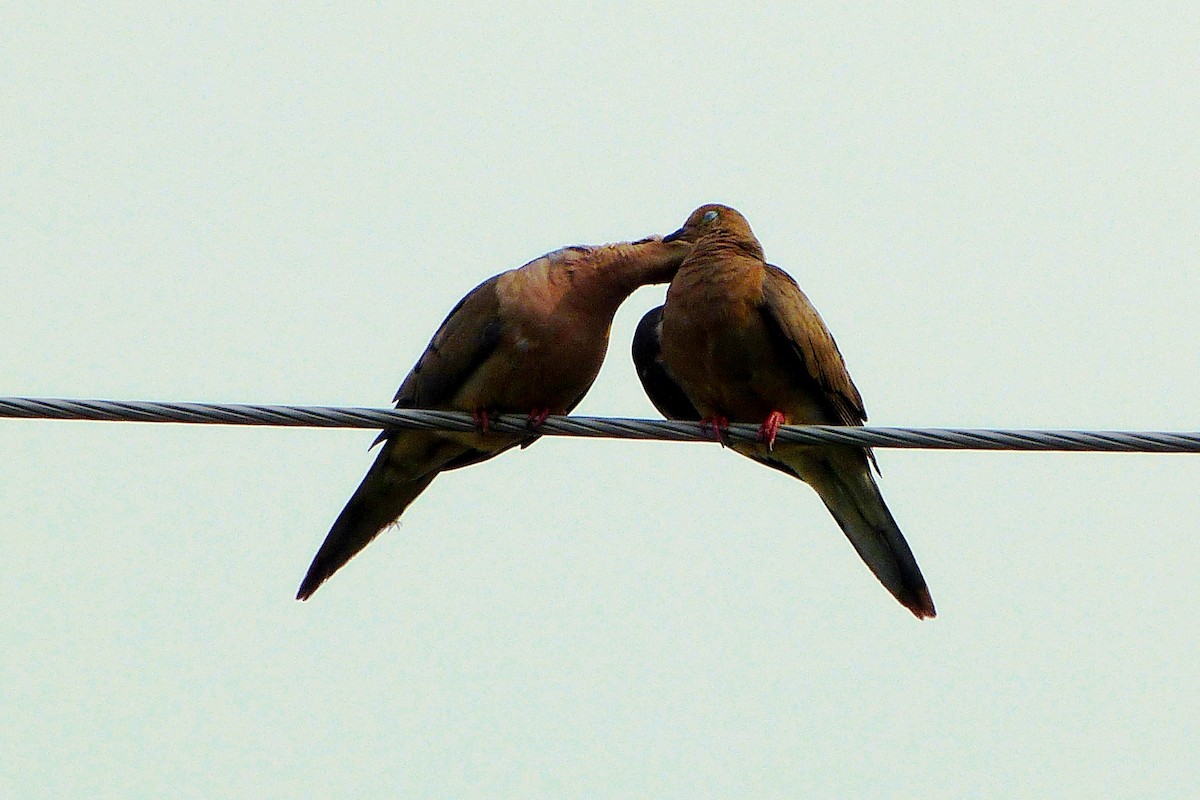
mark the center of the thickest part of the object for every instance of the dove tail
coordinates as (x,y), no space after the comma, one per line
(845,484)
(379,500)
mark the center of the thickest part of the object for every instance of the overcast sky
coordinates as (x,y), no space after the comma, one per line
(997,214)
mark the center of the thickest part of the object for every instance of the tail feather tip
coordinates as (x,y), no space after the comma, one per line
(309,585)
(921,605)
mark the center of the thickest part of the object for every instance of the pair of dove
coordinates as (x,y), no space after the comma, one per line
(736,341)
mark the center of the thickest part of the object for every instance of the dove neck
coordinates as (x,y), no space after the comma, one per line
(620,269)
(722,274)
(727,243)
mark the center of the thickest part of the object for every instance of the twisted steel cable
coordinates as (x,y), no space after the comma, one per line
(603,427)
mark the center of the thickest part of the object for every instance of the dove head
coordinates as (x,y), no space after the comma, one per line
(715,223)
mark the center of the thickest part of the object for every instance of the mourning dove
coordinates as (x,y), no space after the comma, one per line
(530,340)
(666,395)
(738,341)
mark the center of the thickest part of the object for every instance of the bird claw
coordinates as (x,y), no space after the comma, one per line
(770,427)
(537,417)
(482,419)
(716,426)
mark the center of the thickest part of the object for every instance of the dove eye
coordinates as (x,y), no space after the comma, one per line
(709,216)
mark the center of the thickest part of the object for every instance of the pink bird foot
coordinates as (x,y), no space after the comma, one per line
(537,417)
(482,419)
(770,427)
(716,426)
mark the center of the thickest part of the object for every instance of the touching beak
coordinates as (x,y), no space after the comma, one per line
(674,237)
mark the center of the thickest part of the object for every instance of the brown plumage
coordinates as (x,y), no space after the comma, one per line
(662,389)
(744,344)
(530,340)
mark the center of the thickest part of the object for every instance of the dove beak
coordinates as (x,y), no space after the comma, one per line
(676,236)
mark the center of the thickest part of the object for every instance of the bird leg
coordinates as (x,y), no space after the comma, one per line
(537,417)
(482,418)
(715,425)
(770,427)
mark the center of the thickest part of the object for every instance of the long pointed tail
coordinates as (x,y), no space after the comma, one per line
(379,500)
(845,484)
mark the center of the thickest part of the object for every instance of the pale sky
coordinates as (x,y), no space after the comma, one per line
(997,214)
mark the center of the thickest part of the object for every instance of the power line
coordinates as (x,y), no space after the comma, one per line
(596,427)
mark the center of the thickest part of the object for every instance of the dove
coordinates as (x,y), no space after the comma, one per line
(738,341)
(527,341)
(666,395)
